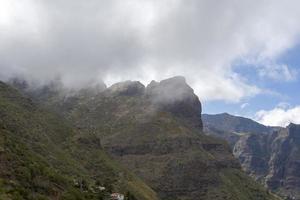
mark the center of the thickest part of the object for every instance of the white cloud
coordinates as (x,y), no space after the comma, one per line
(284,105)
(278,72)
(148,39)
(244,105)
(282,115)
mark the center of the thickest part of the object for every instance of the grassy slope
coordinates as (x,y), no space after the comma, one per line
(41,156)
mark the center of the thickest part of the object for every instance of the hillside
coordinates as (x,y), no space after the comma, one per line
(43,157)
(273,159)
(268,154)
(156,132)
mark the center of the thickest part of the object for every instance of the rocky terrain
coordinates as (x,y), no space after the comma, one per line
(156,133)
(271,157)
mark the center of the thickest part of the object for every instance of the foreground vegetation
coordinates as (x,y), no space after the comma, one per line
(42,157)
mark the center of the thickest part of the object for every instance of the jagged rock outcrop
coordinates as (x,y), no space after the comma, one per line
(271,155)
(274,159)
(285,162)
(176,96)
(252,151)
(170,90)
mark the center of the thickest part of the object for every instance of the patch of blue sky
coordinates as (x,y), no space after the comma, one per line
(274,91)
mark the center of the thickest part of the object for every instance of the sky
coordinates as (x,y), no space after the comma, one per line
(240,57)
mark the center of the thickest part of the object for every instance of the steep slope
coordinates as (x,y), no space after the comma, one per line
(274,159)
(42,157)
(156,132)
(268,154)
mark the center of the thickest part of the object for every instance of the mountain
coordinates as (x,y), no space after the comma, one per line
(231,127)
(274,159)
(156,133)
(271,157)
(43,157)
(234,124)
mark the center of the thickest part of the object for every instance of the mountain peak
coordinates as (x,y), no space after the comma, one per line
(294,130)
(178,79)
(292,125)
(176,96)
(170,90)
(127,88)
(230,123)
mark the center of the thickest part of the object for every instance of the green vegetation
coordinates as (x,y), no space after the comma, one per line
(242,187)
(43,157)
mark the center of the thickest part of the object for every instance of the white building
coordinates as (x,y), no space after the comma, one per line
(117,196)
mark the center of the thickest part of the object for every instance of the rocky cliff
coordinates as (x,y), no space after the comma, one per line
(269,154)
(274,159)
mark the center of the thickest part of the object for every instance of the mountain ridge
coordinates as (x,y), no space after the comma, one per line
(269,157)
(235,123)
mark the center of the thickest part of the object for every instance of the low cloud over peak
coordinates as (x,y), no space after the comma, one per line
(114,40)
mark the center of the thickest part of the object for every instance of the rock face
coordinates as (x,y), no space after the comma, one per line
(176,96)
(156,132)
(271,157)
(252,151)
